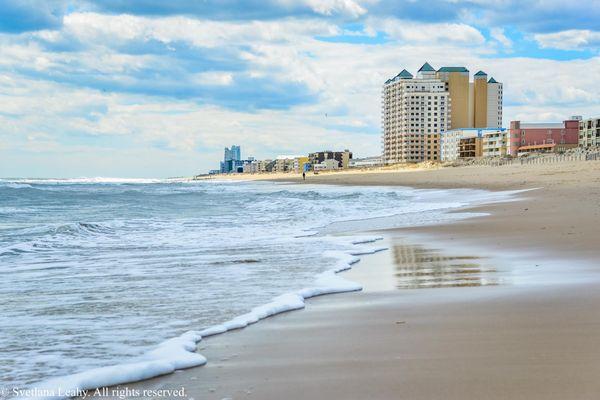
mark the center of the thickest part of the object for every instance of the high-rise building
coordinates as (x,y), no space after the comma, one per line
(416,110)
(494,104)
(457,85)
(480,100)
(476,104)
(231,159)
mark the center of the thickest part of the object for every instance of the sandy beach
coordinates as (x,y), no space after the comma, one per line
(512,314)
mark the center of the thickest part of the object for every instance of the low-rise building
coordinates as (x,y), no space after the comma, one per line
(263,165)
(329,164)
(470,147)
(589,132)
(365,162)
(251,167)
(299,163)
(285,163)
(472,143)
(542,137)
(342,157)
(495,143)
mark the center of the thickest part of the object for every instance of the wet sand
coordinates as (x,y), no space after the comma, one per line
(497,307)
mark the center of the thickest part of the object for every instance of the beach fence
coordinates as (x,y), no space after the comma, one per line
(545,159)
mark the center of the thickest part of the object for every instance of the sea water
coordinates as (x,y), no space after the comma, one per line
(98,273)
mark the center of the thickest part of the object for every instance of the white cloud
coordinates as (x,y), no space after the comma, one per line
(573,39)
(93,27)
(213,78)
(498,35)
(428,33)
(330,7)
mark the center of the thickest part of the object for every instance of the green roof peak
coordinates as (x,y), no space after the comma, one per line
(426,68)
(404,74)
(492,80)
(453,69)
(480,73)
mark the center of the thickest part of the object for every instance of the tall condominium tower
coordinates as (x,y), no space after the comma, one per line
(231,158)
(494,104)
(416,110)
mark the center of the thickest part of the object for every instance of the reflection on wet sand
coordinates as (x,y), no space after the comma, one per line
(419,267)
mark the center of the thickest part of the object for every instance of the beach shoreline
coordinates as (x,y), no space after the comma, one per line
(505,340)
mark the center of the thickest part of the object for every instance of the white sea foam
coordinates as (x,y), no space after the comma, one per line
(86,180)
(180,352)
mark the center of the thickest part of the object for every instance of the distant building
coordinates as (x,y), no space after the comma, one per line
(285,163)
(250,167)
(328,164)
(495,143)
(450,142)
(263,165)
(417,110)
(471,143)
(342,157)
(542,137)
(589,132)
(365,162)
(232,159)
(299,163)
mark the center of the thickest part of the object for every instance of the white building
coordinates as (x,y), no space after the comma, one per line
(589,132)
(415,112)
(450,142)
(327,165)
(455,143)
(251,167)
(365,162)
(494,103)
(495,143)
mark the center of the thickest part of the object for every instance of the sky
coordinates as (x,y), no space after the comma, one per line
(154,88)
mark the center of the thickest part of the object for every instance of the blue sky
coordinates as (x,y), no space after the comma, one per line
(153,88)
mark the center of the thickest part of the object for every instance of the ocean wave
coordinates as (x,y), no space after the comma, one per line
(181,352)
(93,180)
(39,236)
(14,185)
(83,227)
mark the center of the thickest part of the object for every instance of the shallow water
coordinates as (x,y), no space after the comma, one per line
(95,273)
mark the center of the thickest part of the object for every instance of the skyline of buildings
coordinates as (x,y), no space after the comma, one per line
(439,115)
(317,161)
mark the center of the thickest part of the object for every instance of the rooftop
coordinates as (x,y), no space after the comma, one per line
(480,73)
(426,68)
(492,80)
(542,125)
(453,69)
(404,74)
(491,129)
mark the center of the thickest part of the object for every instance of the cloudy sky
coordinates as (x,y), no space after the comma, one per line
(155,88)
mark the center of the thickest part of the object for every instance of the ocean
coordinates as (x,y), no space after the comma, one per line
(98,273)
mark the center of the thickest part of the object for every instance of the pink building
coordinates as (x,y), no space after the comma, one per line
(542,136)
